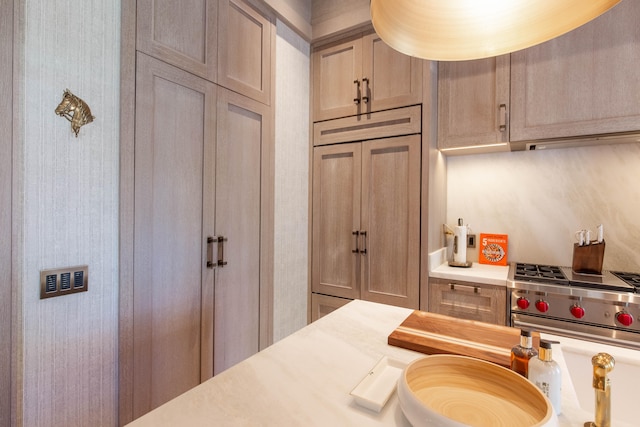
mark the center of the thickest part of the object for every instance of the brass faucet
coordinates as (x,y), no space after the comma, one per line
(603,363)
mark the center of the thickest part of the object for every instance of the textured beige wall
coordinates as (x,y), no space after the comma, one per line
(291,256)
(541,198)
(68,212)
(6,123)
(295,13)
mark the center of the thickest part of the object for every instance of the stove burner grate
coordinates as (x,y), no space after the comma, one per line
(533,271)
(632,279)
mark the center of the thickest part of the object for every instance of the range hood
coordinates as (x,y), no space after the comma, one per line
(579,141)
(544,144)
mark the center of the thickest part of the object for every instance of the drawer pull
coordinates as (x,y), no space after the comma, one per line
(464,288)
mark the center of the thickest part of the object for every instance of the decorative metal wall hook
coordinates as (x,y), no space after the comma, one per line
(75,110)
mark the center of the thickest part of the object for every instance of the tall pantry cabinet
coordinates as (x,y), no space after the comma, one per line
(367,175)
(202,198)
(366,220)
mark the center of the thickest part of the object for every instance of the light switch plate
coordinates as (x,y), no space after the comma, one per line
(62,281)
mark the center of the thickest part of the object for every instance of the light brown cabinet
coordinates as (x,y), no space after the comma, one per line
(321,305)
(186,37)
(473,103)
(366,220)
(577,85)
(202,185)
(466,300)
(582,83)
(173,289)
(229,42)
(362,75)
(246,46)
(202,199)
(243,206)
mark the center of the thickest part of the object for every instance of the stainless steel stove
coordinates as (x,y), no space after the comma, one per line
(603,308)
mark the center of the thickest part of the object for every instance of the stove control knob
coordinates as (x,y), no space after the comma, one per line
(542,306)
(577,311)
(624,318)
(522,303)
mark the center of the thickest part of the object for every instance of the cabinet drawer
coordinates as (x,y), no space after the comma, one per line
(401,121)
(471,301)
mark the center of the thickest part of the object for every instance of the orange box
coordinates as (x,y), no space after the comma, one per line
(493,249)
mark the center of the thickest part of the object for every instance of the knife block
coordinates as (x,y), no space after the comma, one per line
(588,259)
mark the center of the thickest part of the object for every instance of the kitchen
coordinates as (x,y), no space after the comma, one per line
(587,186)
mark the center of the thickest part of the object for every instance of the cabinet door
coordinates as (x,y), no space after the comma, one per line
(389,78)
(391,220)
(246,42)
(336,216)
(173,289)
(337,70)
(183,34)
(321,305)
(473,102)
(243,127)
(582,83)
(471,301)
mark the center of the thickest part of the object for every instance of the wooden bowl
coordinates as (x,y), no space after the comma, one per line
(454,391)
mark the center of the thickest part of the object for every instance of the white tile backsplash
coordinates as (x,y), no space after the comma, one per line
(541,198)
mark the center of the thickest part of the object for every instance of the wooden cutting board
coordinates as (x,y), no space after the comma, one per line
(432,333)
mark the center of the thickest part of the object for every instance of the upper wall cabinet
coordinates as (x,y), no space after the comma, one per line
(583,83)
(473,103)
(246,45)
(361,75)
(229,42)
(390,79)
(185,37)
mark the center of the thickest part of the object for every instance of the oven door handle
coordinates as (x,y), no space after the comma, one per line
(543,328)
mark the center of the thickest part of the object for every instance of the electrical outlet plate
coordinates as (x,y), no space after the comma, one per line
(63,281)
(471,240)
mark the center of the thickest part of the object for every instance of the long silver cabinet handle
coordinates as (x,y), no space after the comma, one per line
(356,100)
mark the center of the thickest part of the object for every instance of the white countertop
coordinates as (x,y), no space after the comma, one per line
(478,273)
(306,378)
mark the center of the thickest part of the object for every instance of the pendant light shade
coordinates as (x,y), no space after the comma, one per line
(455,30)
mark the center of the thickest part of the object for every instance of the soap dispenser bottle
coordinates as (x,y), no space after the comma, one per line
(522,353)
(545,373)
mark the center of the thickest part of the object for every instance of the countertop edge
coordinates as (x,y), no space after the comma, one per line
(477,273)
